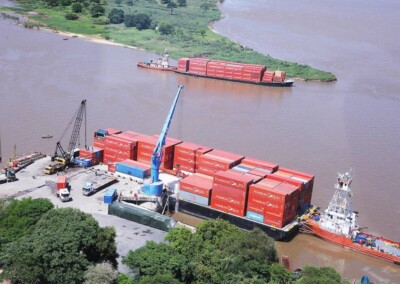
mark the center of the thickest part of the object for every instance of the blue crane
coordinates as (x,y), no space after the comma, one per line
(155,187)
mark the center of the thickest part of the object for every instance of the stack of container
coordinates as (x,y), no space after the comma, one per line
(268,76)
(198,66)
(146,145)
(196,188)
(253,73)
(92,156)
(279,76)
(272,202)
(256,167)
(183,64)
(118,149)
(133,168)
(100,134)
(305,182)
(186,155)
(216,68)
(216,160)
(229,192)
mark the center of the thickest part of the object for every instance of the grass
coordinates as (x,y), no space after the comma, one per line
(187,40)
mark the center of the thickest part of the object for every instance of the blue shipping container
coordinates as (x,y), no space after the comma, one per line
(82,162)
(255,216)
(132,170)
(194,198)
(110,195)
(242,168)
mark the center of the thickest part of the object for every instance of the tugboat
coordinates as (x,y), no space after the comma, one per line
(161,64)
(337,224)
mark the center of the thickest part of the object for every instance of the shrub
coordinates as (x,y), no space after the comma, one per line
(71,16)
(165,28)
(116,16)
(77,7)
(97,11)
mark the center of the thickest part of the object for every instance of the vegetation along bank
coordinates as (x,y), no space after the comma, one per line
(180,25)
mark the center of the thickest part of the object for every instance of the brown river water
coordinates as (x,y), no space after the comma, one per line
(320,128)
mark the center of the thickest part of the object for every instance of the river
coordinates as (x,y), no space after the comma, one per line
(320,128)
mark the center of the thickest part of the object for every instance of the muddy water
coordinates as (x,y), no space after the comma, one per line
(313,127)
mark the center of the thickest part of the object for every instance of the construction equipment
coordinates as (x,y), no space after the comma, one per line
(155,186)
(65,157)
(54,168)
(8,176)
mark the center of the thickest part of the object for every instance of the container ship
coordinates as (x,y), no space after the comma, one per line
(211,183)
(337,224)
(161,64)
(233,71)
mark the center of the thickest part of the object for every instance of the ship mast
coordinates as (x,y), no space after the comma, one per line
(339,216)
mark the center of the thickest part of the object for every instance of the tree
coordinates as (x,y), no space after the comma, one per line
(171,5)
(59,250)
(71,16)
(182,3)
(324,275)
(97,11)
(116,16)
(77,7)
(203,32)
(165,28)
(18,217)
(118,2)
(124,279)
(129,3)
(103,273)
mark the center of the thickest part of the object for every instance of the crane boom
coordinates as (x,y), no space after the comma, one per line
(77,118)
(156,157)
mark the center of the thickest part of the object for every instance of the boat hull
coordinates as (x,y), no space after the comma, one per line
(148,66)
(286,83)
(206,212)
(343,241)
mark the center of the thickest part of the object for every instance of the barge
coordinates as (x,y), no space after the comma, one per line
(338,225)
(233,71)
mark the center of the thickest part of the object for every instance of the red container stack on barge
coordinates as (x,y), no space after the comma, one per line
(233,71)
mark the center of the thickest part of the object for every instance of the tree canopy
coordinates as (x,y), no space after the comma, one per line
(116,16)
(61,246)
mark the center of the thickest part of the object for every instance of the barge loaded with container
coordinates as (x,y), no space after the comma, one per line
(233,71)
(210,183)
(338,225)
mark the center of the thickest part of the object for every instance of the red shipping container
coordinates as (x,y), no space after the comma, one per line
(187,168)
(197,184)
(259,172)
(226,193)
(183,64)
(112,167)
(206,170)
(233,180)
(188,148)
(61,182)
(228,208)
(221,156)
(98,143)
(261,164)
(182,158)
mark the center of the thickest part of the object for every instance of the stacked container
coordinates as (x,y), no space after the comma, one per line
(94,155)
(198,66)
(306,182)
(118,149)
(183,64)
(216,68)
(216,160)
(133,168)
(229,192)
(186,155)
(196,188)
(268,76)
(272,202)
(279,76)
(100,134)
(146,145)
(256,167)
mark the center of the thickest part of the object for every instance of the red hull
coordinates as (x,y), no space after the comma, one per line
(343,241)
(148,66)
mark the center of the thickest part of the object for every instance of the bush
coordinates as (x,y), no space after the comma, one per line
(165,28)
(97,11)
(77,7)
(71,16)
(129,3)
(116,16)
(118,2)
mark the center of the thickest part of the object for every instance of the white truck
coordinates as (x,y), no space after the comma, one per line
(98,183)
(64,195)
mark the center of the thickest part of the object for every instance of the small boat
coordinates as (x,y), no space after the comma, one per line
(160,64)
(337,224)
(47,136)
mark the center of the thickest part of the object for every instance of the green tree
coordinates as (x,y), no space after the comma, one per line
(182,3)
(71,16)
(159,279)
(129,3)
(76,7)
(103,273)
(18,217)
(124,279)
(116,16)
(59,250)
(203,32)
(118,2)
(97,11)
(165,28)
(142,21)
(313,275)
(172,5)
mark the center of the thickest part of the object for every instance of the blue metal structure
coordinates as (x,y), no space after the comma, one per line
(155,187)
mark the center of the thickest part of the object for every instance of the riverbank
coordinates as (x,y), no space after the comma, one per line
(191,35)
